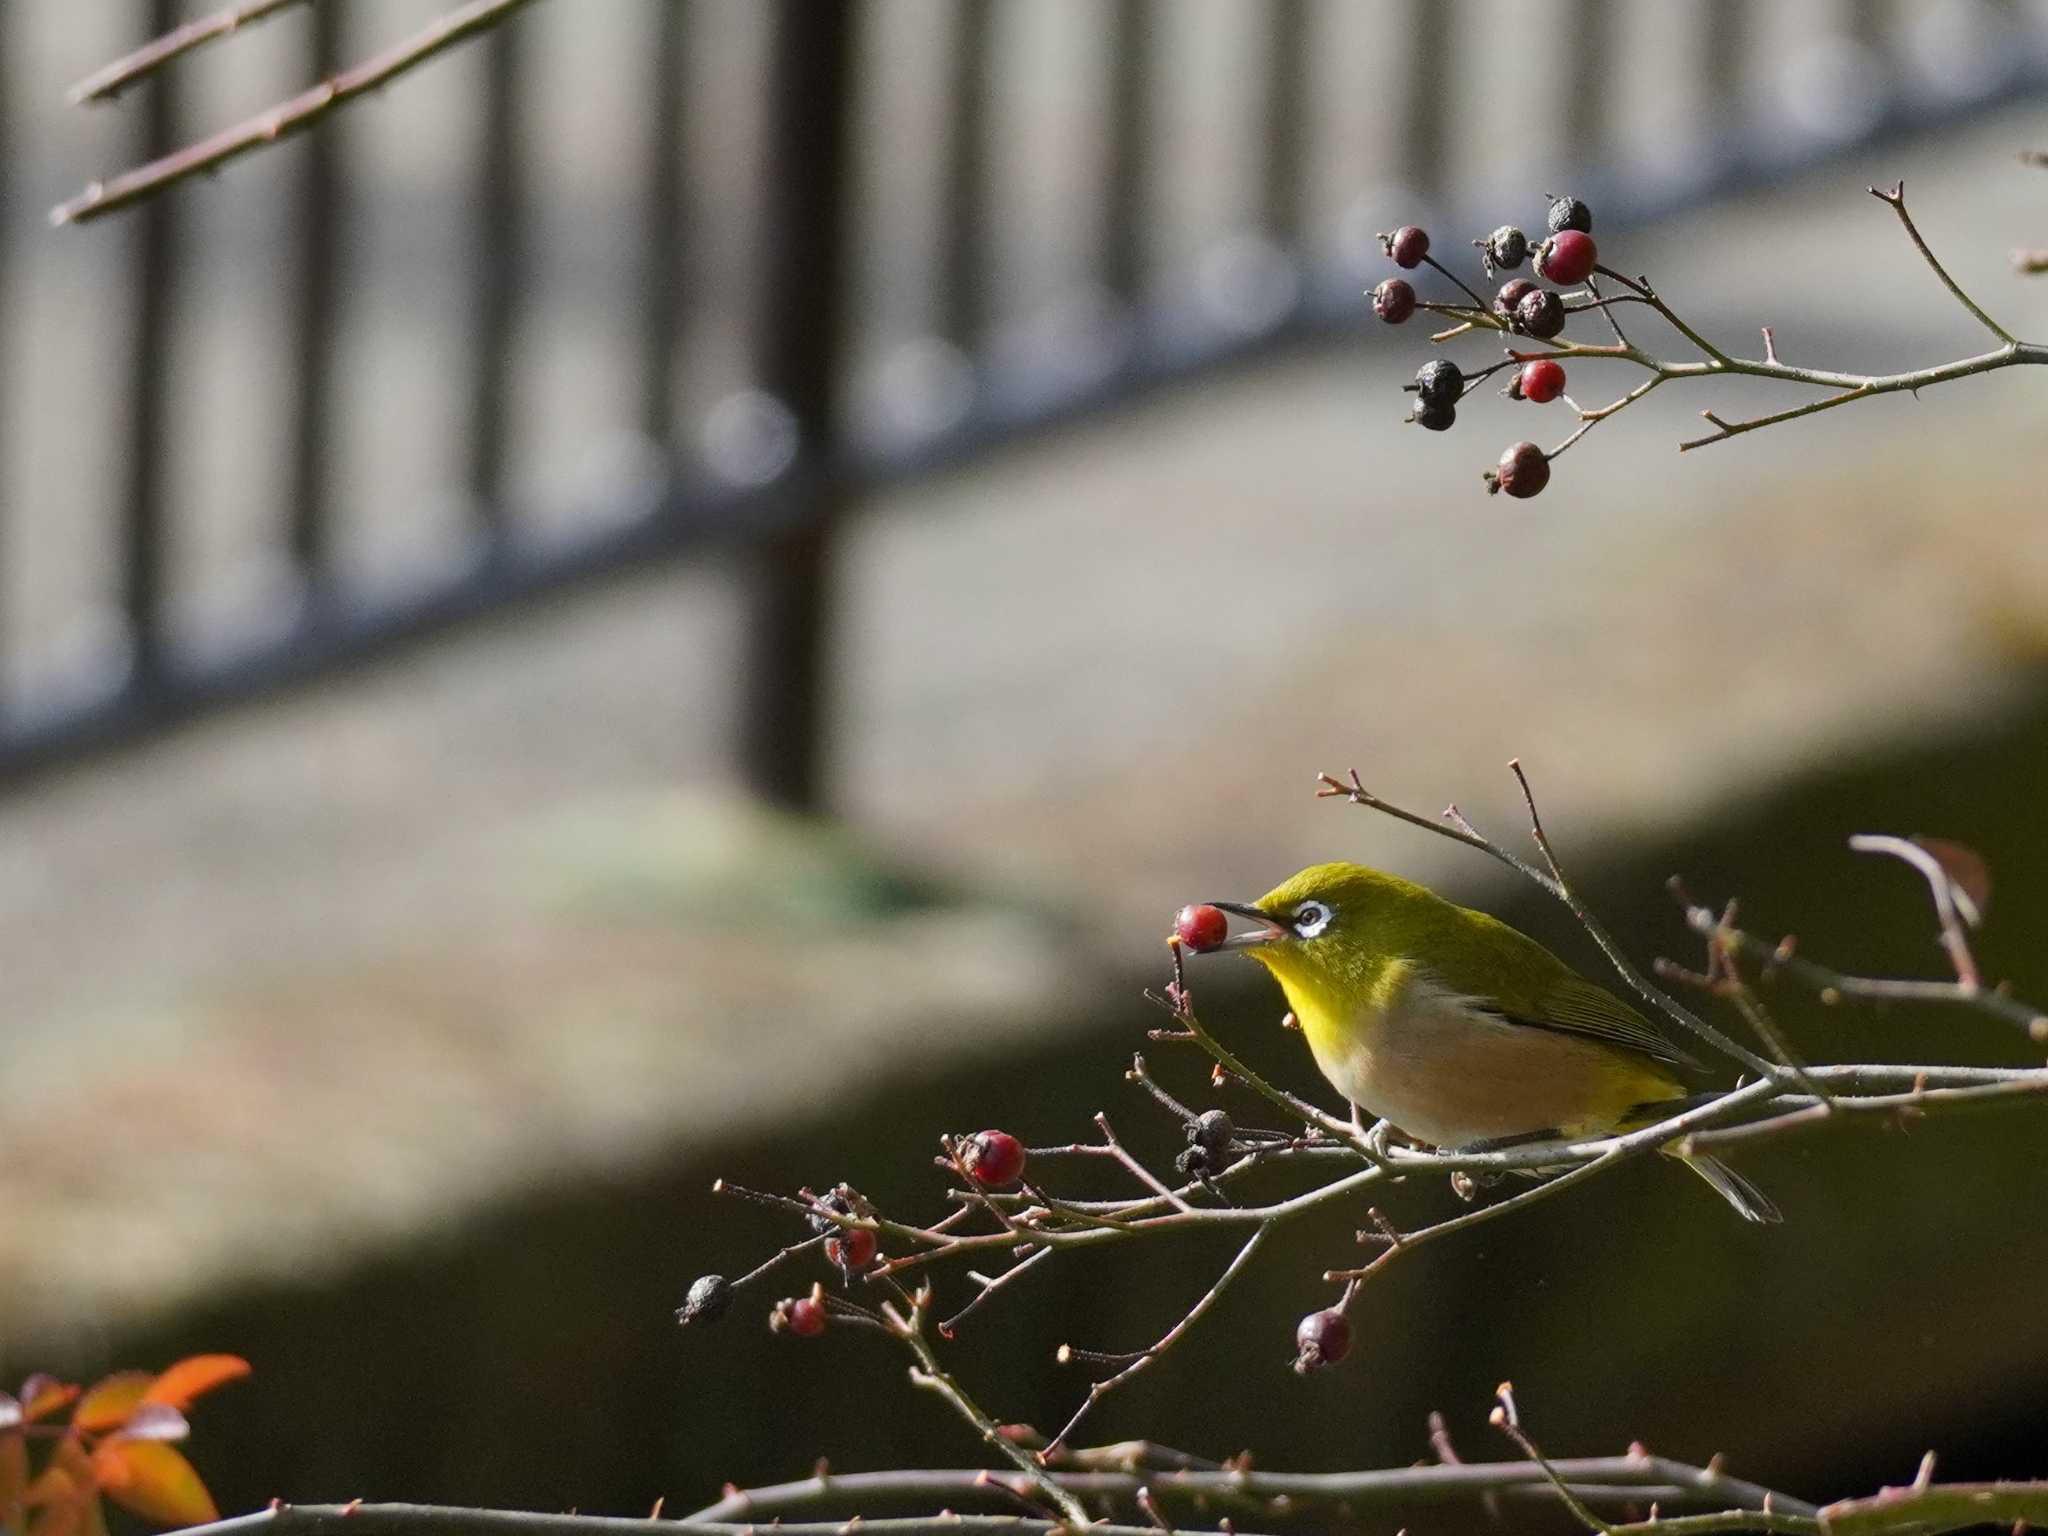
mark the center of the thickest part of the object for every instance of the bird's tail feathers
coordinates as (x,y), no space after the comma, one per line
(1750,1203)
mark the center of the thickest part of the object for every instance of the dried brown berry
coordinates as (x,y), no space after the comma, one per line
(1394,300)
(1570,213)
(1504,248)
(1512,292)
(1540,313)
(707,1300)
(1523,471)
(1323,1338)
(1407,245)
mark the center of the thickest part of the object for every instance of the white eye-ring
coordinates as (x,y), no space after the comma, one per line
(1311,918)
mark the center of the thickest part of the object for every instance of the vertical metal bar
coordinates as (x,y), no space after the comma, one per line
(1425,114)
(144,540)
(1288,104)
(661,275)
(317,232)
(495,268)
(1590,28)
(1726,68)
(803,261)
(965,273)
(1130,115)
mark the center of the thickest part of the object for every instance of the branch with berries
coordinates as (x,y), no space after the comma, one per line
(1537,317)
(1011,1208)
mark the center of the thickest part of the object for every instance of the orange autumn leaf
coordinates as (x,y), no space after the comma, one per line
(153,1480)
(110,1400)
(62,1519)
(44,1395)
(194,1375)
(13,1479)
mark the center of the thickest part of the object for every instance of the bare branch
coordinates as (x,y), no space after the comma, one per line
(287,117)
(105,84)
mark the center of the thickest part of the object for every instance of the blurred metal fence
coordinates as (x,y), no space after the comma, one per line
(1456,99)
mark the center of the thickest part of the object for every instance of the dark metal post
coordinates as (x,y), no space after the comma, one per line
(318,260)
(144,545)
(1425,110)
(804,241)
(661,237)
(1287,117)
(964,302)
(495,265)
(1590,26)
(1130,116)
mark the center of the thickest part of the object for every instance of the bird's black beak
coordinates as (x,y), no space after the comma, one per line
(1268,931)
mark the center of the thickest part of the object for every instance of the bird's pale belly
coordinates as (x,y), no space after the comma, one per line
(1450,1075)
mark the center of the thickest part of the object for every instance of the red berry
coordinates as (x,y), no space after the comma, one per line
(804,1317)
(1524,470)
(1567,256)
(1394,300)
(1201,927)
(1407,245)
(1542,380)
(993,1159)
(1324,1338)
(853,1249)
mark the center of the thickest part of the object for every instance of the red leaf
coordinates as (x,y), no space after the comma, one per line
(194,1376)
(110,1400)
(1966,871)
(153,1480)
(43,1395)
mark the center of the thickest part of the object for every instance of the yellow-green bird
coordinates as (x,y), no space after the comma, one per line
(1456,1028)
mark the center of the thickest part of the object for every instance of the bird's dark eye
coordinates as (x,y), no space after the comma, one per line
(1311,918)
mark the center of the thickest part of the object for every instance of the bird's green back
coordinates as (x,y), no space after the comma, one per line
(1383,928)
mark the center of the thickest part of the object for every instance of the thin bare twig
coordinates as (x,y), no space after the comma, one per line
(1144,1358)
(105,84)
(287,117)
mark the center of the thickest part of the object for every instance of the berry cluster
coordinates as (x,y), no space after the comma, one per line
(1566,257)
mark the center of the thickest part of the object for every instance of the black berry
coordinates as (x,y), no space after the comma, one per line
(1523,471)
(821,1225)
(1540,313)
(1505,247)
(1438,418)
(1439,382)
(1393,301)
(1323,1338)
(1211,1129)
(1197,1162)
(1570,213)
(1407,245)
(707,1300)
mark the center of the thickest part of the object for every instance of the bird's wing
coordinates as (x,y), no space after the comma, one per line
(1575,1006)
